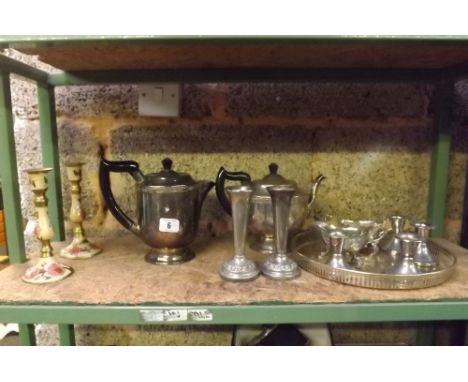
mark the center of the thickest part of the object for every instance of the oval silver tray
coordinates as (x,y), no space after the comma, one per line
(307,247)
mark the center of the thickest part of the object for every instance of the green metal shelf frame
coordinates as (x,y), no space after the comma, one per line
(268,313)
(67,40)
(67,315)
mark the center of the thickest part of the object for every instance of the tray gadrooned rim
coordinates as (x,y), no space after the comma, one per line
(369,279)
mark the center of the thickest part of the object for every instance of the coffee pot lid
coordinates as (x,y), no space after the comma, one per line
(272,179)
(168,177)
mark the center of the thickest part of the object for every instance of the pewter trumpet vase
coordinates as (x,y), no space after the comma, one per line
(239,268)
(279,266)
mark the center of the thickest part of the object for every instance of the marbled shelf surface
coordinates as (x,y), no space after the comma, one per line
(121,276)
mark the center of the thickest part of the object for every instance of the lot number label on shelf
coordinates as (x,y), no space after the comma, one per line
(169,225)
(200,315)
(173,315)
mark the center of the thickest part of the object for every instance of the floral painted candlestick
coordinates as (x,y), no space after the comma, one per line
(46,270)
(80,247)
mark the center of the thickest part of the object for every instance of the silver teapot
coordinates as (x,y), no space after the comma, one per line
(261,222)
(168,205)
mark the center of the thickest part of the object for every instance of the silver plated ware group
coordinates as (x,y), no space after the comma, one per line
(392,258)
(389,254)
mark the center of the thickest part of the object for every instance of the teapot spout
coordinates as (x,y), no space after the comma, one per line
(313,192)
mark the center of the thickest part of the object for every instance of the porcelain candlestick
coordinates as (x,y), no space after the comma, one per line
(46,270)
(80,247)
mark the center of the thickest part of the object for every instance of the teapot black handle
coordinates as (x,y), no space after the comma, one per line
(223,174)
(105,168)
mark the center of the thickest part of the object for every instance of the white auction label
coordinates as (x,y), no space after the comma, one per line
(200,315)
(164,315)
(169,225)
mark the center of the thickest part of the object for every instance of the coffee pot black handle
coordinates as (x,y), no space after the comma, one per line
(105,168)
(223,174)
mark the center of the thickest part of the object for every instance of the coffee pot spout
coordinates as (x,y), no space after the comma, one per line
(313,192)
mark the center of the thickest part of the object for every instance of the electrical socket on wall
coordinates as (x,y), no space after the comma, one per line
(159,99)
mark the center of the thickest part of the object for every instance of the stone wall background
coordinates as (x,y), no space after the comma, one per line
(371,140)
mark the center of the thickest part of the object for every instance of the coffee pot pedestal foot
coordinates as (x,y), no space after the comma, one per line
(169,256)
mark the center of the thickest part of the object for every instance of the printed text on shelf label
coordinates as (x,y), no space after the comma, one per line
(173,315)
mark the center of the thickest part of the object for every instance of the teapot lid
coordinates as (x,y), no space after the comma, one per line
(272,179)
(168,177)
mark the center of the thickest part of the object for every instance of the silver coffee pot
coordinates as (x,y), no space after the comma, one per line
(168,206)
(261,222)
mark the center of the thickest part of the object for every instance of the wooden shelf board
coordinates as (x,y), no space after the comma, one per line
(121,276)
(98,55)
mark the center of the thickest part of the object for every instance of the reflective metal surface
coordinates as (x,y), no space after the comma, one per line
(370,270)
(168,206)
(359,233)
(404,263)
(335,255)
(261,222)
(371,259)
(239,268)
(423,257)
(390,243)
(279,266)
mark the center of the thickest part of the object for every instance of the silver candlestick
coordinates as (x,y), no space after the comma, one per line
(404,264)
(335,258)
(239,268)
(423,257)
(279,266)
(390,243)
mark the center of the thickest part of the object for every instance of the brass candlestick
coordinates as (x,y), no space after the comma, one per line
(46,270)
(80,247)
